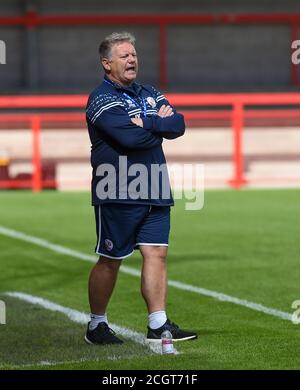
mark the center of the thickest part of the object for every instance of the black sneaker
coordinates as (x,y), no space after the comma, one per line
(101,335)
(177,333)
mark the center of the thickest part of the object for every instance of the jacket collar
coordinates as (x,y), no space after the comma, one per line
(135,88)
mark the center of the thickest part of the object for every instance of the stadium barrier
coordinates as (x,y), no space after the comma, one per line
(239,107)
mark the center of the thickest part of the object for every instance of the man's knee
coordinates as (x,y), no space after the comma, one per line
(154,252)
(111,264)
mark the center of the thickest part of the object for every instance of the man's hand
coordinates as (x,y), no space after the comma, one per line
(165,111)
(137,121)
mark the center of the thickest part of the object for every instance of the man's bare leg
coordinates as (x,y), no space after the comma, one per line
(154,291)
(101,284)
(154,277)
(102,281)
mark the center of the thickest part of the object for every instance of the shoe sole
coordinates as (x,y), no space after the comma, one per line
(88,341)
(174,340)
(91,343)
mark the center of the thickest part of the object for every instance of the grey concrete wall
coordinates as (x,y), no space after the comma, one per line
(10,7)
(166,6)
(199,58)
(11,75)
(237,57)
(68,56)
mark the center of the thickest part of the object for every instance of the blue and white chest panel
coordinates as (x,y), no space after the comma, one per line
(138,107)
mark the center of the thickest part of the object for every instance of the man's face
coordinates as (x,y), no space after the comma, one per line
(122,66)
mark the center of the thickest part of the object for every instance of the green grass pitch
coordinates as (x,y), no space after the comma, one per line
(243,243)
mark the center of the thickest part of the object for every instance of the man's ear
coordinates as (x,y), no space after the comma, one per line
(106,64)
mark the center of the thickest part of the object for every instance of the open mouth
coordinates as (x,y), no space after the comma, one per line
(131,69)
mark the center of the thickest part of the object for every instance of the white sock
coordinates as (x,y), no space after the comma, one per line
(157,319)
(95,320)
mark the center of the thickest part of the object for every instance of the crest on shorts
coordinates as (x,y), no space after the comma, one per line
(108,244)
(151,101)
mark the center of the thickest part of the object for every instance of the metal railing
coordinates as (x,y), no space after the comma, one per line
(241,106)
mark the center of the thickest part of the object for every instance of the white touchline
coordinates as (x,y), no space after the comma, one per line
(82,318)
(134,272)
(50,363)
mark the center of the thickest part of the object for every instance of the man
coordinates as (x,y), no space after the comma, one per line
(127,123)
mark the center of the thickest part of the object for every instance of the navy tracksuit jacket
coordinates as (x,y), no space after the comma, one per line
(112,134)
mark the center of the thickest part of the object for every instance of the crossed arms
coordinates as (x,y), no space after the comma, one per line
(139,133)
(169,129)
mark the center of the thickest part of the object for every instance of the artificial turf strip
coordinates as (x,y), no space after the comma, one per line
(242,243)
